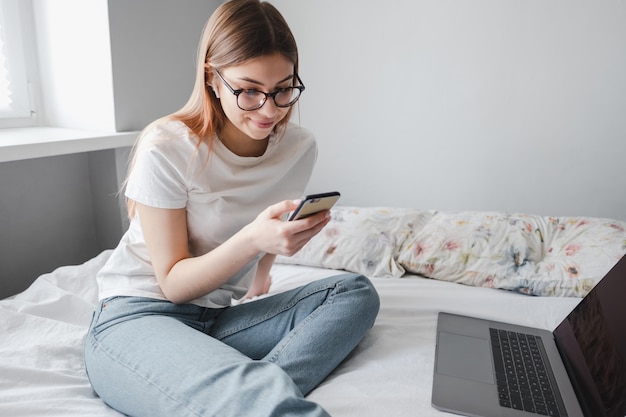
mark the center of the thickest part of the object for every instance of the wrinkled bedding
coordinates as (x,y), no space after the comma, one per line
(42,333)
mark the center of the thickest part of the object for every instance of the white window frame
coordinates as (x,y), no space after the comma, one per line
(16,24)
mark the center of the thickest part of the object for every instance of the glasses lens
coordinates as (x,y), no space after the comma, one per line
(287,96)
(250,99)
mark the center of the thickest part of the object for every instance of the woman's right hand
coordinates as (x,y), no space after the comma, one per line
(271,234)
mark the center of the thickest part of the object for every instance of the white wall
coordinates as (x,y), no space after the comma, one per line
(153,45)
(467,105)
(47,218)
(116,65)
(74,56)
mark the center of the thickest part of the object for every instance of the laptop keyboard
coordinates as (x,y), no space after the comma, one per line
(524,379)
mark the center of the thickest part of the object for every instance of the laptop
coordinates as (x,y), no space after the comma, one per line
(481,365)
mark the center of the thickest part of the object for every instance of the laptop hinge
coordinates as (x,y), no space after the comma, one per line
(584,404)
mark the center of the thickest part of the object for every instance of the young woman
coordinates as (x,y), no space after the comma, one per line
(207,192)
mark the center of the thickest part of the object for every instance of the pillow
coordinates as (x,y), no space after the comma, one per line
(364,240)
(579,253)
(536,255)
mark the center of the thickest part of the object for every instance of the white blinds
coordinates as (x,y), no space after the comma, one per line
(14,97)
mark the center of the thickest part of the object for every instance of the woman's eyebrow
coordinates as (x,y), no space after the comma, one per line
(250,80)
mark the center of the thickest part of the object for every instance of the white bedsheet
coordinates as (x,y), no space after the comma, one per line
(42,333)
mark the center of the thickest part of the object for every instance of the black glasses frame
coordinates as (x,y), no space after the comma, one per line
(272,95)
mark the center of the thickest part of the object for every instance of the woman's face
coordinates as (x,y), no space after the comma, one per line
(249,129)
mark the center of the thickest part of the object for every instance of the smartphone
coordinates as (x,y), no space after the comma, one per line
(314,203)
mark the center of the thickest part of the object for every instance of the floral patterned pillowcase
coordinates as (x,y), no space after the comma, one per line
(547,256)
(537,255)
(362,240)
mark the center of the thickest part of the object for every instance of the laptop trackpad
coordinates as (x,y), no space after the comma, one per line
(465,357)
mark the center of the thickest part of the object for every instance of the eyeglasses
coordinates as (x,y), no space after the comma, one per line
(251,99)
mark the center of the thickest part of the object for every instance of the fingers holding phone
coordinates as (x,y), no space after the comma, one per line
(308,218)
(312,214)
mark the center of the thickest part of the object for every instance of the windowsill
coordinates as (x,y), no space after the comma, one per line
(37,142)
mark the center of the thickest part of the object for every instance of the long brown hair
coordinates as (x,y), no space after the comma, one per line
(238,31)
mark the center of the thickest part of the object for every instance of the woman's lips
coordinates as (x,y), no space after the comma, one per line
(264,124)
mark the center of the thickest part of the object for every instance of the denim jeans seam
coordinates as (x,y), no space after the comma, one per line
(295,332)
(96,344)
(338,288)
(284,308)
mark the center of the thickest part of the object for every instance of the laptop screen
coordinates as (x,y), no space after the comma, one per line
(592,341)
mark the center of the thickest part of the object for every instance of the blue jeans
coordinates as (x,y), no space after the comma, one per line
(148,357)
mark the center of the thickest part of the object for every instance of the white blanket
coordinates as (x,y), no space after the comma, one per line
(42,332)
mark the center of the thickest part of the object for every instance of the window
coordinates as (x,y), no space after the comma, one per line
(16,104)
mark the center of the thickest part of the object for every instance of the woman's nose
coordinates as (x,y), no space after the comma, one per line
(269,108)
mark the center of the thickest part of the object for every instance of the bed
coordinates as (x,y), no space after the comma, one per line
(521,268)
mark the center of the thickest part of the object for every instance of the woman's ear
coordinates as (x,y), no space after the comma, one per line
(210,79)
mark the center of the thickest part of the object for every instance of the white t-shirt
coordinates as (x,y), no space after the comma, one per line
(221,191)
